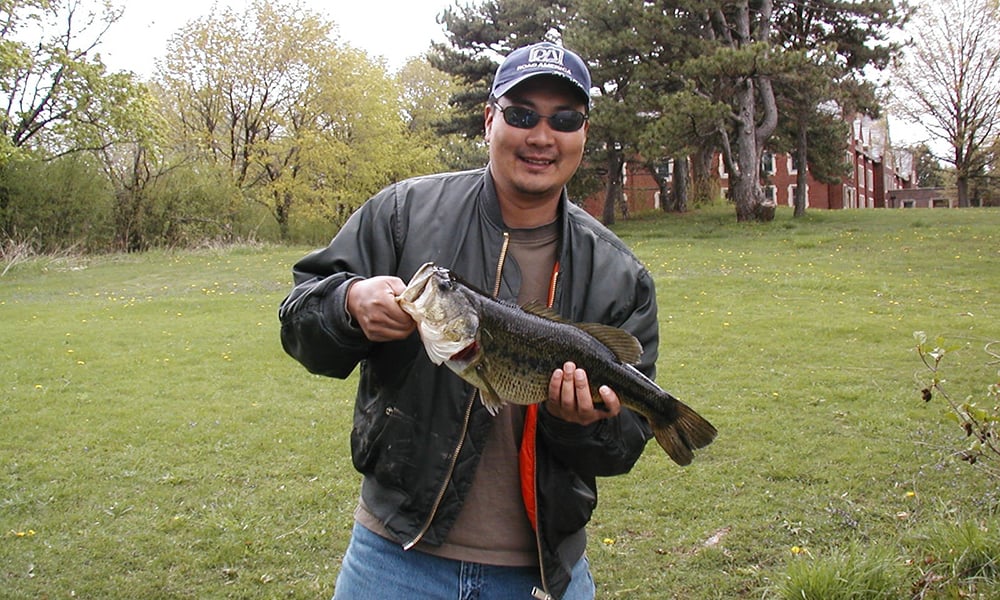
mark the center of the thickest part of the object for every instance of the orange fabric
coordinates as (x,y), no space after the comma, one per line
(526,455)
(526,459)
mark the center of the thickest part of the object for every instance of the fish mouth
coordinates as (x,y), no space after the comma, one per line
(418,282)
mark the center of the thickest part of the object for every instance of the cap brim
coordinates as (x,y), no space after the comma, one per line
(505,87)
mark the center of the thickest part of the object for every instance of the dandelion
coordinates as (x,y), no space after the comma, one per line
(609,541)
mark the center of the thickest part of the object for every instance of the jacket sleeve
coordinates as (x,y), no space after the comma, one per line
(316,328)
(611,446)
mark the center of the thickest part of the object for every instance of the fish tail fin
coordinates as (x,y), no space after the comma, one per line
(685,434)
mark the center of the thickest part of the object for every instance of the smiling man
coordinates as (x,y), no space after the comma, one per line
(456,502)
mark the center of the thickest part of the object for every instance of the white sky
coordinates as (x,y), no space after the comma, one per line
(393,29)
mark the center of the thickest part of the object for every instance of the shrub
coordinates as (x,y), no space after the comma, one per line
(979,421)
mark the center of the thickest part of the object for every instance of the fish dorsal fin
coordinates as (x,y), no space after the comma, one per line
(622,343)
(539,309)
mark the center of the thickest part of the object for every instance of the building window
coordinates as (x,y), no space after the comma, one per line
(793,165)
(723,173)
(870,179)
(771,194)
(849,198)
(665,169)
(767,163)
(791,195)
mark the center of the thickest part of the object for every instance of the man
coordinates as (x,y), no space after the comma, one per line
(456,503)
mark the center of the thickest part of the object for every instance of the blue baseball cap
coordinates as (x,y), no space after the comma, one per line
(544,58)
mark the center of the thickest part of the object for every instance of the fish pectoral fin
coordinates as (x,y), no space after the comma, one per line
(487,394)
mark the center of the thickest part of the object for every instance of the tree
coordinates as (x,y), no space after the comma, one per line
(58,96)
(832,42)
(61,101)
(929,173)
(986,188)
(731,80)
(949,81)
(426,93)
(607,34)
(128,150)
(302,124)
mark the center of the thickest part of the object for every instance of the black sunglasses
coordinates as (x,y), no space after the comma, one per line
(525,118)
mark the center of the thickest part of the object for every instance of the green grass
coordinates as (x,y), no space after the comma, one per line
(157,442)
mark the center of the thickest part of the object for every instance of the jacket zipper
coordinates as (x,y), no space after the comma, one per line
(503,259)
(465,424)
(444,486)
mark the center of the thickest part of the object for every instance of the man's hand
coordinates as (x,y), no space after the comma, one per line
(570,399)
(372,304)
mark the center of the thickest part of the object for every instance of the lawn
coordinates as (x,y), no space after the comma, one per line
(157,442)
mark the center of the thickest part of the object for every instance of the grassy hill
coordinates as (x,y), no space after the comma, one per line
(157,442)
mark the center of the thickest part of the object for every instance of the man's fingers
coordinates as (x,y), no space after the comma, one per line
(372,304)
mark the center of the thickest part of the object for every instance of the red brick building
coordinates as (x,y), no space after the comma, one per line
(875,171)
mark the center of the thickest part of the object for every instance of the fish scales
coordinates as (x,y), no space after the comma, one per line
(523,349)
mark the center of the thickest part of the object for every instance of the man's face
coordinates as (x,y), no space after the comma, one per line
(531,166)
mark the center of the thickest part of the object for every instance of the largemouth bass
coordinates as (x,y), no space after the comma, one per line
(509,354)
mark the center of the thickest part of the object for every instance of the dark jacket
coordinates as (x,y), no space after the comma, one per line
(418,428)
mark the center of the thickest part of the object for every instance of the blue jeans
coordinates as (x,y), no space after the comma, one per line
(375,569)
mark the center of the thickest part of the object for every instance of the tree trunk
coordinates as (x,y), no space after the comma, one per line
(679,191)
(744,179)
(750,132)
(282,212)
(704,183)
(962,183)
(749,198)
(613,196)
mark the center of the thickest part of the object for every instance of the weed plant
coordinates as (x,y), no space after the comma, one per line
(157,442)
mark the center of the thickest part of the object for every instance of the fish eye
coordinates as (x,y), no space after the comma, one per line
(444,285)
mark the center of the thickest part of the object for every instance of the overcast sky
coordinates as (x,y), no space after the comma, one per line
(394,29)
